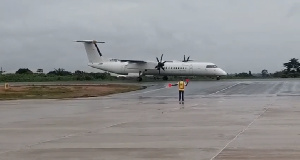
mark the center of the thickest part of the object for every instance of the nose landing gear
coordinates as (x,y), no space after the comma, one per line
(165,78)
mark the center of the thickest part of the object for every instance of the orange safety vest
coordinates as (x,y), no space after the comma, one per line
(181,85)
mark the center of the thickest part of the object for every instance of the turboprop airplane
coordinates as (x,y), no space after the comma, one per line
(139,68)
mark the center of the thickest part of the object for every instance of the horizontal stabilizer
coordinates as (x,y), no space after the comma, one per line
(92,50)
(89,41)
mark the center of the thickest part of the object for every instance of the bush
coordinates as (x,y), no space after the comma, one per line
(24,71)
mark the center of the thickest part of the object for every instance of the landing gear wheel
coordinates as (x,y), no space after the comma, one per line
(139,79)
(218,78)
(165,78)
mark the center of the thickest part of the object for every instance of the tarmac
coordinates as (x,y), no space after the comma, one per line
(220,120)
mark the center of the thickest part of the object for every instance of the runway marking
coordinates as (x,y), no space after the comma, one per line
(241,132)
(224,89)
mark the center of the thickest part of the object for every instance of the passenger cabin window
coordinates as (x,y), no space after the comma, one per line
(211,66)
(114,60)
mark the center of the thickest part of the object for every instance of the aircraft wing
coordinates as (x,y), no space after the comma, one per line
(133,61)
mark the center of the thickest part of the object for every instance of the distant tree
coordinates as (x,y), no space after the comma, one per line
(79,72)
(243,74)
(264,73)
(250,74)
(292,66)
(60,72)
(104,75)
(24,71)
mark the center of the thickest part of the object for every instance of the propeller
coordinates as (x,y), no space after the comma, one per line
(160,64)
(186,60)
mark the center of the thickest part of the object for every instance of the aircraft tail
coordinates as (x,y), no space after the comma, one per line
(93,52)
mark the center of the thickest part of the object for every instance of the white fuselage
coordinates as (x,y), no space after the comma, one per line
(174,68)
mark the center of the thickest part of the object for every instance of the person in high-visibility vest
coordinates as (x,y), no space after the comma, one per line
(181,85)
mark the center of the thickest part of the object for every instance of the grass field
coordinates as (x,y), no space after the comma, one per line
(63,91)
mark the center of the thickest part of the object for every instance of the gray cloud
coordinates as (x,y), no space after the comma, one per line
(294,10)
(237,35)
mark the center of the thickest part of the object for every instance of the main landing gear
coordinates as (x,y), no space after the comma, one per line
(139,79)
(218,77)
(165,78)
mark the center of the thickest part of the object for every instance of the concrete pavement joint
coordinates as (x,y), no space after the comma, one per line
(60,138)
(224,89)
(241,132)
(68,136)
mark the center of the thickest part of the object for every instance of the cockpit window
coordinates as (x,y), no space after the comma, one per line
(211,66)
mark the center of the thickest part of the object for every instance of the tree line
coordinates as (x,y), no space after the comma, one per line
(291,70)
(60,74)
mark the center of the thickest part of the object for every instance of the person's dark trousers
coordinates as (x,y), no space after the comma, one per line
(181,95)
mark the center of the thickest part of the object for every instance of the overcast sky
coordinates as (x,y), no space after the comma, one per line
(237,35)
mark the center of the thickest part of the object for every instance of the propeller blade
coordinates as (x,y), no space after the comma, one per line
(160,64)
(183,57)
(98,50)
(188,58)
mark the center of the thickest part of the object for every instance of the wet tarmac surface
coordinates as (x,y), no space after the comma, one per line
(230,119)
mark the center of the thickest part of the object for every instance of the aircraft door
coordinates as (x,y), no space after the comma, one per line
(124,68)
(191,69)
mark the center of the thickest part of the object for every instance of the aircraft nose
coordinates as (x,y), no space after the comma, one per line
(222,72)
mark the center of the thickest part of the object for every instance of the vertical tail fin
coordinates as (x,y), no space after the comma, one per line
(92,50)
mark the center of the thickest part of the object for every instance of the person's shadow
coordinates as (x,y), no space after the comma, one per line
(182,103)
